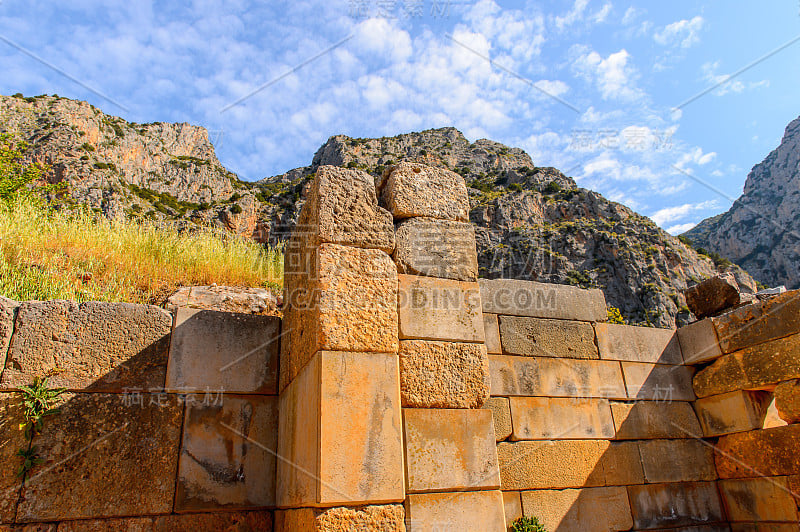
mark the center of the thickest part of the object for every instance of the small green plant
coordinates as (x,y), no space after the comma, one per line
(615,316)
(39,401)
(527,524)
(15,173)
(30,459)
(236,208)
(551,188)
(515,187)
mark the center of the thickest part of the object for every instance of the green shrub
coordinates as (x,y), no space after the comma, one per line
(527,524)
(236,208)
(552,188)
(515,187)
(15,174)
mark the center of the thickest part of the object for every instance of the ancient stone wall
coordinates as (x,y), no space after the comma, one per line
(169,421)
(400,392)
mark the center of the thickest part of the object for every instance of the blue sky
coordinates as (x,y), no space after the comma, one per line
(596,88)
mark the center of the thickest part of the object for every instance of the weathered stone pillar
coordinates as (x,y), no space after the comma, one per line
(340,463)
(452,475)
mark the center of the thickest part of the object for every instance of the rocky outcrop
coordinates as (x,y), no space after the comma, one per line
(761,230)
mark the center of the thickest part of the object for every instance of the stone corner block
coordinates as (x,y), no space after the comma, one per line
(439,309)
(466,511)
(373,517)
(638,344)
(450,449)
(340,430)
(541,300)
(712,295)
(787,401)
(227,456)
(347,301)
(443,374)
(342,208)
(759,322)
(223,351)
(412,189)
(96,346)
(699,342)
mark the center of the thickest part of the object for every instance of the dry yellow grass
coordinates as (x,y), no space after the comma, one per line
(85,257)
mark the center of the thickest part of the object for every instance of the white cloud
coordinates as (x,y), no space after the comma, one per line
(683,33)
(614,76)
(676,230)
(671,214)
(695,156)
(631,15)
(726,85)
(572,16)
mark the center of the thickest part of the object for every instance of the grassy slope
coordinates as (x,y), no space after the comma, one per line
(84,257)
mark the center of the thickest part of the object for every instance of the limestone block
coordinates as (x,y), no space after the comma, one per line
(94,346)
(501,416)
(439,309)
(468,511)
(787,400)
(758,499)
(732,412)
(451,449)
(794,487)
(436,248)
(622,465)
(382,518)
(491,329)
(8,310)
(116,457)
(228,454)
(254,521)
(547,338)
(558,464)
(757,367)
(412,189)
(340,432)
(11,440)
(561,418)
(443,374)
(541,300)
(223,351)
(512,504)
(553,377)
(675,504)
(658,382)
(573,510)
(699,342)
(341,208)
(677,460)
(646,420)
(638,344)
(348,304)
(768,452)
(712,295)
(759,322)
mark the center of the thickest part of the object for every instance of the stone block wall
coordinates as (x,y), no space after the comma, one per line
(169,421)
(748,389)
(400,392)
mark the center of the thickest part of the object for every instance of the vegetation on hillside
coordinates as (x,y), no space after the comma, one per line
(80,255)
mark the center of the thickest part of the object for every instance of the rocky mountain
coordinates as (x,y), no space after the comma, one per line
(531,222)
(761,230)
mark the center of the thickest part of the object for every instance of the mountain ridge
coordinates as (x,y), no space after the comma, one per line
(761,230)
(531,222)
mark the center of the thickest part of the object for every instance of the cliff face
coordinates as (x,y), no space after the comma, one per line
(531,222)
(761,230)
